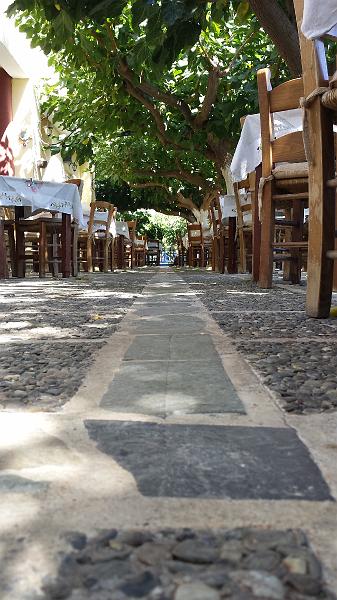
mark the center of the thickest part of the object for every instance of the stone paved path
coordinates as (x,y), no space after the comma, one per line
(170,429)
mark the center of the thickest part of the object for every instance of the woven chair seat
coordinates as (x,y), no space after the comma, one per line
(291,170)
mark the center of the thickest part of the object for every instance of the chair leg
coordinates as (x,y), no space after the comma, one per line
(106,256)
(66,245)
(242,251)
(297,236)
(20,252)
(267,236)
(202,257)
(54,258)
(222,253)
(113,254)
(43,249)
(12,251)
(256,236)
(75,250)
(89,255)
(3,253)
(286,265)
(232,261)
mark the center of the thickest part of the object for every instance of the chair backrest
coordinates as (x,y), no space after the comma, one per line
(212,218)
(79,183)
(153,245)
(215,215)
(243,191)
(7,214)
(132,229)
(290,147)
(101,215)
(141,241)
(195,235)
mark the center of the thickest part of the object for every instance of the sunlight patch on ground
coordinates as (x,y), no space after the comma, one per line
(15,325)
(37,333)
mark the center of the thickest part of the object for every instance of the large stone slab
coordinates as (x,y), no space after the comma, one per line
(197,388)
(203,461)
(172,347)
(138,388)
(168,324)
(169,387)
(149,347)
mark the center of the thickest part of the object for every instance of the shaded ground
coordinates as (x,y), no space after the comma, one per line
(296,356)
(208,489)
(50,331)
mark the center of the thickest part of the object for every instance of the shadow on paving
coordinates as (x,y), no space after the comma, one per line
(202,461)
(166,388)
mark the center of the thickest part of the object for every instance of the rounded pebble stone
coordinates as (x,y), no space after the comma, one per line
(195,551)
(196,591)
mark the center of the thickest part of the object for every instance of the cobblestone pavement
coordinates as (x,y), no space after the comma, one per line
(241,564)
(50,331)
(142,457)
(296,356)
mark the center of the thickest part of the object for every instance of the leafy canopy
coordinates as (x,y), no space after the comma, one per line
(151,91)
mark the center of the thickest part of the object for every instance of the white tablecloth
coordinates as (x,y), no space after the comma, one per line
(319,17)
(46,195)
(228,207)
(248,154)
(122,229)
(103,217)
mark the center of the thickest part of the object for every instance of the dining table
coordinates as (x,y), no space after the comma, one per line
(45,196)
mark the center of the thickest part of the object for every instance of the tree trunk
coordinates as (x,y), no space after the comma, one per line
(227,175)
(282,31)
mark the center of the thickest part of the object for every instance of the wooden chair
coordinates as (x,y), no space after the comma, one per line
(208,248)
(243,191)
(218,246)
(224,244)
(129,245)
(96,244)
(283,186)
(320,106)
(140,247)
(153,253)
(196,251)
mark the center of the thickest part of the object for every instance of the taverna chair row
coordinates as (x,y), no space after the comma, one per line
(283,189)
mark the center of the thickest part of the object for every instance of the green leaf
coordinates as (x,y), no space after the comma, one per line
(63,26)
(139,12)
(242,11)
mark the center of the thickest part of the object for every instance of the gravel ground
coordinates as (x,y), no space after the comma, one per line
(50,331)
(295,355)
(239,564)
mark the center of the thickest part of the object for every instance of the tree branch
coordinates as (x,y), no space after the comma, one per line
(153,91)
(209,99)
(186,202)
(180,174)
(149,184)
